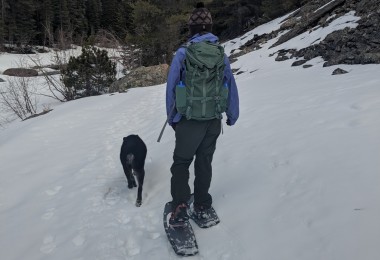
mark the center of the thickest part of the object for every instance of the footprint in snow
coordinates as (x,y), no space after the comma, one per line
(122,217)
(154,235)
(53,191)
(48,245)
(48,214)
(132,248)
(112,196)
(78,240)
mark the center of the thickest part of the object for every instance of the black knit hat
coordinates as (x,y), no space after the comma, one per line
(200,20)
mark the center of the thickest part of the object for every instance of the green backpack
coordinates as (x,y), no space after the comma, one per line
(203,96)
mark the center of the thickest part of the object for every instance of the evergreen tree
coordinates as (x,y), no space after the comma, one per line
(61,16)
(272,8)
(89,74)
(148,21)
(232,17)
(44,22)
(2,21)
(115,16)
(93,14)
(19,21)
(78,20)
(157,26)
(275,8)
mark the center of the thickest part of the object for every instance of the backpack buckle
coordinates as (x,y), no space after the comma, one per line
(188,113)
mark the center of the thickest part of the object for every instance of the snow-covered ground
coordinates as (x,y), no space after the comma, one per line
(297,177)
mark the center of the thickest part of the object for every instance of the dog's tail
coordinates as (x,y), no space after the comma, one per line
(130,158)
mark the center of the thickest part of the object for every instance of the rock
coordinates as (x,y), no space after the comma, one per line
(21,72)
(142,77)
(289,23)
(339,71)
(299,62)
(282,55)
(49,72)
(234,71)
(307,66)
(281,58)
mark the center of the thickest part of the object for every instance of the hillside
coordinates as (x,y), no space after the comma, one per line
(296,178)
(346,44)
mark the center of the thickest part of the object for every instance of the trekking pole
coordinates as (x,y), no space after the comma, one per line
(166,122)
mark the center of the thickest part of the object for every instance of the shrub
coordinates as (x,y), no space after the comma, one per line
(89,74)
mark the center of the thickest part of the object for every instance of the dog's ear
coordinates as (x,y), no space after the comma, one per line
(124,138)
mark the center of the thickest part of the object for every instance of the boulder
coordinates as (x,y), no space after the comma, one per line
(339,71)
(21,72)
(142,77)
(289,23)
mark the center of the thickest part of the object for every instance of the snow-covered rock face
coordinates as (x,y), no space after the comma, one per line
(341,32)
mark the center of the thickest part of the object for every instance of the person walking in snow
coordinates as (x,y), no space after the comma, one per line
(200,87)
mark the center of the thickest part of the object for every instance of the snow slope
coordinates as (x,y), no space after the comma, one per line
(296,178)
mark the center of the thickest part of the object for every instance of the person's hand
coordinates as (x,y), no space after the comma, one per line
(174,126)
(228,122)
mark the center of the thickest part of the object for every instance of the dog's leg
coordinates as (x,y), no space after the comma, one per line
(140,174)
(131,177)
(128,173)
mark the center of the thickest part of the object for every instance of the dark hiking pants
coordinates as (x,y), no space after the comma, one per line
(194,138)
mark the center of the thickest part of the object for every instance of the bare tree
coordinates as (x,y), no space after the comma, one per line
(130,57)
(18,97)
(56,88)
(48,34)
(65,39)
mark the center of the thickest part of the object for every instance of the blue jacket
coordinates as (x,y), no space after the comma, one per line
(174,78)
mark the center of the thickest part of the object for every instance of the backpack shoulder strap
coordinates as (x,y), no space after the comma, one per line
(186,45)
(182,69)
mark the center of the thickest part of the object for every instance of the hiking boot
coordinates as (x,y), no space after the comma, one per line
(179,216)
(199,212)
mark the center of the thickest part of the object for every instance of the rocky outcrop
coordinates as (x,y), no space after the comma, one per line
(360,45)
(309,20)
(253,44)
(21,72)
(141,77)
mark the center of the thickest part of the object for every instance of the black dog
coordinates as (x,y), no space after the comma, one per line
(132,157)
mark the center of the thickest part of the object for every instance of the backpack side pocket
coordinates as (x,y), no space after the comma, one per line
(180,96)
